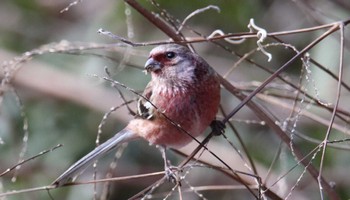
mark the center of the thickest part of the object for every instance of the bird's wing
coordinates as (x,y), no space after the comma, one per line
(144,108)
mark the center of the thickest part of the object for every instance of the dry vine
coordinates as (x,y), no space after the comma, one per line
(259,96)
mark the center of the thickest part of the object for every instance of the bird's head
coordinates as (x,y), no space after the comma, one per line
(174,64)
(165,56)
(169,58)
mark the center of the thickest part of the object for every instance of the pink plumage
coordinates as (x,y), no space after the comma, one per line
(184,88)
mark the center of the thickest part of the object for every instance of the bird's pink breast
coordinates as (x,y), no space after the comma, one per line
(192,108)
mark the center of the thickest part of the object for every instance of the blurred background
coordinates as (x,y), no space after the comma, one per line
(52,91)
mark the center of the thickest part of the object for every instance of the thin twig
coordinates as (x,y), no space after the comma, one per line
(156,21)
(330,127)
(29,159)
(281,69)
(196,12)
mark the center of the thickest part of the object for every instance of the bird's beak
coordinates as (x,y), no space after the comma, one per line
(152,65)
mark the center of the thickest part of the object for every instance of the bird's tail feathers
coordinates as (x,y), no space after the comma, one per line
(72,172)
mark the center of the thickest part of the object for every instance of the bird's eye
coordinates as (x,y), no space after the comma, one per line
(170,55)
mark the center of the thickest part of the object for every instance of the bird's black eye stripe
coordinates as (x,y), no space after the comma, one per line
(170,55)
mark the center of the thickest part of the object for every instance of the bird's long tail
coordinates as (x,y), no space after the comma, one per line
(72,172)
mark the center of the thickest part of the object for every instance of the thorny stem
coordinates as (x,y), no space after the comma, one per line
(269,121)
(29,159)
(281,69)
(246,99)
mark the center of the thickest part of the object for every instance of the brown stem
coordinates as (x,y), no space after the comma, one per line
(155,20)
(271,123)
(246,99)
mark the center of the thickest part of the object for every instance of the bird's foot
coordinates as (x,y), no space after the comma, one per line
(217,127)
(172,174)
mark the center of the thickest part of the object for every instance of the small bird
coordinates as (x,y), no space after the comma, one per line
(184,91)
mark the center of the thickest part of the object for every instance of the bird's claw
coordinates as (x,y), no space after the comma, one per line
(172,174)
(217,127)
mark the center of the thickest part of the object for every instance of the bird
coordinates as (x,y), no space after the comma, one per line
(182,96)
